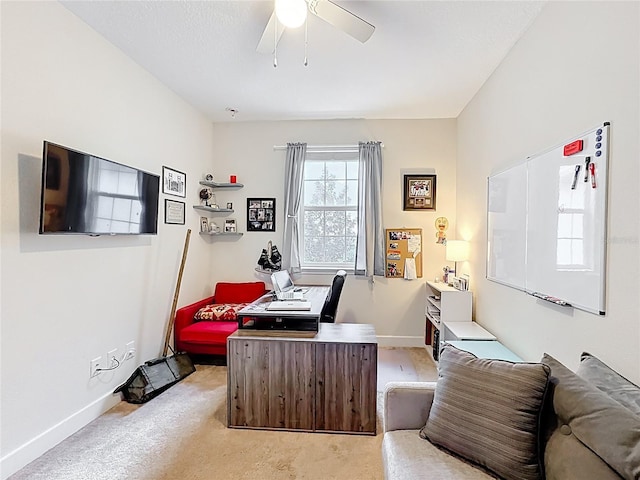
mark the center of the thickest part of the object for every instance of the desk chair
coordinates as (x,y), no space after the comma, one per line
(328,314)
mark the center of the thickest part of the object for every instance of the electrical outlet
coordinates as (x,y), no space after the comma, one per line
(94,365)
(112,358)
(130,350)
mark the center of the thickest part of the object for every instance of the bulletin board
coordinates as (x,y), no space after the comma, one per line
(403,253)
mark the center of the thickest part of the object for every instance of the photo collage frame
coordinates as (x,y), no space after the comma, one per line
(261,214)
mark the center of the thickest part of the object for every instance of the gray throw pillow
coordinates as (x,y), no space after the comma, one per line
(609,381)
(488,412)
(567,458)
(600,423)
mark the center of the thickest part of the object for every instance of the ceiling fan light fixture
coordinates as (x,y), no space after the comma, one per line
(291,13)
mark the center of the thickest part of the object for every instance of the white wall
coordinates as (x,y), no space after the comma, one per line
(577,66)
(394,306)
(66,300)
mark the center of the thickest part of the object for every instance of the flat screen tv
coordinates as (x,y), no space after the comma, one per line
(85,194)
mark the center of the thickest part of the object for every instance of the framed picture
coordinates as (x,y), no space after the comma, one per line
(230,205)
(174,182)
(173,212)
(419,192)
(230,225)
(204,224)
(261,214)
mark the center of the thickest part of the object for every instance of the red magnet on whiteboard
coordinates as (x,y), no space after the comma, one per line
(573,147)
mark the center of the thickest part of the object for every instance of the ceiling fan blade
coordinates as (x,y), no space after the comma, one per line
(342,19)
(267,43)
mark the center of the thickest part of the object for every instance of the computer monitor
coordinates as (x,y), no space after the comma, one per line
(281,281)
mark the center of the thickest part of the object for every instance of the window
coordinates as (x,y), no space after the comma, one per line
(328,213)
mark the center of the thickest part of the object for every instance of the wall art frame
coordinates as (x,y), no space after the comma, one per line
(261,214)
(174,182)
(419,192)
(174,212)
(230,226)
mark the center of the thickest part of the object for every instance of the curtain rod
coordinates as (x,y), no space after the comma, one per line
(347,148)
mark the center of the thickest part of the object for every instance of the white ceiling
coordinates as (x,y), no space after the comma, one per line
(426,59)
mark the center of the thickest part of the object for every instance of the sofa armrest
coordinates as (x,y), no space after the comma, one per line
(184,315)
(407,405)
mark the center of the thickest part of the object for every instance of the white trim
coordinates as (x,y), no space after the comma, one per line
(28,452)
(395,341)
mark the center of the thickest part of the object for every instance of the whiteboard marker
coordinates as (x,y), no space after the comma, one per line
(586,168)
(575,177)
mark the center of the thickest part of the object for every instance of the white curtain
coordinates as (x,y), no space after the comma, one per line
(370,243)
(294,168)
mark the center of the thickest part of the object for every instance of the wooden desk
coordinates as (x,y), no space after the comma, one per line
(322,384)
(255,316)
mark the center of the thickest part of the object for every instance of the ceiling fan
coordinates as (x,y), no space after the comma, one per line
(327,10)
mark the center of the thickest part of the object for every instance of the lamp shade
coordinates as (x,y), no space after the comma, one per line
(457,250)
(291,13)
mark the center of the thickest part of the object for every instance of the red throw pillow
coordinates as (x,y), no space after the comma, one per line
(228,292)
(221,312)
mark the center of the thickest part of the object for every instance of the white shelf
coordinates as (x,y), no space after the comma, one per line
(434,320)
(204,208)
(220,185)
(466,331)
(266,271)
(216,234)
(445,305)
(441,287)
(448,303)
(435,301)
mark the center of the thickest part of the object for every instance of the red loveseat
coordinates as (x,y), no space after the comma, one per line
(203,326)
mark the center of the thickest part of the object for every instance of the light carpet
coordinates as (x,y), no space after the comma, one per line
(182,434)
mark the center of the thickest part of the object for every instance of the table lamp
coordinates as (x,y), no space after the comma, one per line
(457,251)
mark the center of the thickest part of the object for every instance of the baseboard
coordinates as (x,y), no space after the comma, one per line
(23,455)
(394,341)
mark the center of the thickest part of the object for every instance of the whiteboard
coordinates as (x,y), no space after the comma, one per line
(545,234)
(506,242)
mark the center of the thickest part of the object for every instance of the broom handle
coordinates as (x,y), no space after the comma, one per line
(176,293)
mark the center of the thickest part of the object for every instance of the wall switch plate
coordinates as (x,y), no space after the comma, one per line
(94,365)
(130,349)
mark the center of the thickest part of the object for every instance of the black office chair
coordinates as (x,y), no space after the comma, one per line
(328,314)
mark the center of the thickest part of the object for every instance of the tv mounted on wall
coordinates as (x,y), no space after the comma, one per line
(85,194)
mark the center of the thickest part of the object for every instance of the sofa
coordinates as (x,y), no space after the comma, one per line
(579,426)
(202,328)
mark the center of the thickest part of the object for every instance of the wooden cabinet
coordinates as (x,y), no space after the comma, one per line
(325,383)
(346,381)
(283,369)
(444,304)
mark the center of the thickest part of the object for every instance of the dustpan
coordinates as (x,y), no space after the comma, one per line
(155,376)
